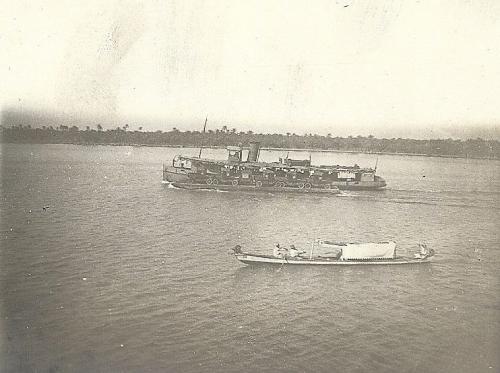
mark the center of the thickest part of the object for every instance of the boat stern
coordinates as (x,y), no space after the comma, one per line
(380,182)
(174,174)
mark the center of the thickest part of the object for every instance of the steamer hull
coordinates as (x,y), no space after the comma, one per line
(254,188)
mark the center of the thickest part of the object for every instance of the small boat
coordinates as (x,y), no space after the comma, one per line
(383,253)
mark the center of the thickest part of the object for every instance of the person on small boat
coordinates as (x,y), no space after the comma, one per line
(424,252)
(237,249)
(293,252)
(278,251)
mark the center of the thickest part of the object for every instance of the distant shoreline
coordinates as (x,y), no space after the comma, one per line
(220,138)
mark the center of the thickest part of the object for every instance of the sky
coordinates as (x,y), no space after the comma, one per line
(389,68)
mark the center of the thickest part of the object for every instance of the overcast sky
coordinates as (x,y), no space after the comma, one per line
(402,68)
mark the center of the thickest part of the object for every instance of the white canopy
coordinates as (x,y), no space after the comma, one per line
(382,250)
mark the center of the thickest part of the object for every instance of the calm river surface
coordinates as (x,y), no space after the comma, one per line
(122,273)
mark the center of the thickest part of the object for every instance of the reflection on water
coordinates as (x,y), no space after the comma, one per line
(121,272)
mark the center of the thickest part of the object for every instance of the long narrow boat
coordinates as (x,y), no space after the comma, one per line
(350,254)
(262,259)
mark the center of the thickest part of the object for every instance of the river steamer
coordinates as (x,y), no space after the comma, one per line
(287,175)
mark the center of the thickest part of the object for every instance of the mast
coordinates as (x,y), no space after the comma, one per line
(204,128)
(312,249)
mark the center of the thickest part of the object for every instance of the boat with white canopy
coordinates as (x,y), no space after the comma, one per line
(337,253)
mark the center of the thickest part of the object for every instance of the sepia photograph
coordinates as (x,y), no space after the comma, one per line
(250,186)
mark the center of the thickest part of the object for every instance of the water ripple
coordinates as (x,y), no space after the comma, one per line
(123,273)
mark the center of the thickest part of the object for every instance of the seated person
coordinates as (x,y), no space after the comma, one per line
(423,252)
(293,252)
(278,251)
(237,249)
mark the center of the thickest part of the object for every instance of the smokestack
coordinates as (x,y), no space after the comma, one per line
(253,152)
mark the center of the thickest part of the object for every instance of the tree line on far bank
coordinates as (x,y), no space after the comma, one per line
(471,148)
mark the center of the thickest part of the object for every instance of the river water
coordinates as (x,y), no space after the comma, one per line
(120,272)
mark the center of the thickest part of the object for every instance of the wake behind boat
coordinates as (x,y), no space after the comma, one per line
(330,253)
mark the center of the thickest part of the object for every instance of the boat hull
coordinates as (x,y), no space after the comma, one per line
(254,188)
(180,178)
(257,259)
